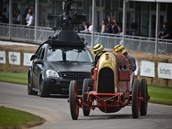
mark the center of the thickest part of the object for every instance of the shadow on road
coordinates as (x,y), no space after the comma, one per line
(106,117)
(158,116)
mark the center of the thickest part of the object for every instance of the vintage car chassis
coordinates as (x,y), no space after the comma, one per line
(129,90)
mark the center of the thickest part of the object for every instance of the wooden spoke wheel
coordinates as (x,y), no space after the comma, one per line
(144,93)
(73,100)
(86,85)
(135,99)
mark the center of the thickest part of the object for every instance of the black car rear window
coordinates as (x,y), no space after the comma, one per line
(68,54)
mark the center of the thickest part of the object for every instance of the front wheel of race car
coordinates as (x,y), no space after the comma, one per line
(144,93)
(86,85)
(135,101)
(73,100)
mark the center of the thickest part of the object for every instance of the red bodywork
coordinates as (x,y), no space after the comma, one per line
(113,102)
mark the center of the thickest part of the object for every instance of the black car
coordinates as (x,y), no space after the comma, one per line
(58,61)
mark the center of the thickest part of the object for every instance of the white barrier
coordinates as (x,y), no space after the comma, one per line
(14,58)
(26,59)
(147,68)
(2,57)
(165,70)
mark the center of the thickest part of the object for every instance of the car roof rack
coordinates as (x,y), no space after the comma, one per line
(67,38)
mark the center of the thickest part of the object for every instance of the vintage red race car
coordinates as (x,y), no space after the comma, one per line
(112,87)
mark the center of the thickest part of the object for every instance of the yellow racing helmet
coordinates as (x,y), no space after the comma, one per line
(120,49)
(97,48)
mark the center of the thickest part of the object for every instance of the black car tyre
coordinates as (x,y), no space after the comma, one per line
(43,90)
(73,100)
(144,93)
(29,86)
(85,89)
(135,104)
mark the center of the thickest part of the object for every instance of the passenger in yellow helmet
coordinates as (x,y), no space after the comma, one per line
(98,51)
(121,49)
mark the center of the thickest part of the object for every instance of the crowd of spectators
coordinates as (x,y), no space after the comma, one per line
(111,26)
(107,26)
(17,18)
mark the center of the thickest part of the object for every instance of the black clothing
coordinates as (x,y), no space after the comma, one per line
(132,62)
(96,60)
(163,32)
(108,28)
(115,29)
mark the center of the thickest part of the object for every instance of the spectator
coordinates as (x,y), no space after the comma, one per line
(87,27)
(104,26)
(84,25)
(17,17)
(115,28)
(4,16)
(104,32)
(109,26)
(164,32)
(29,18)
(90,28)
(24,16)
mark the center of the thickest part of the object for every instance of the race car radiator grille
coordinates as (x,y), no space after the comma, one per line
(74,75)
(105,81)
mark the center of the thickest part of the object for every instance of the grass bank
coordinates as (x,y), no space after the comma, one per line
(159,95)
(16,119)
(18,78)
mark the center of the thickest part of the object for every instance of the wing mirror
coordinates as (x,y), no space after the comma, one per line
(33,57)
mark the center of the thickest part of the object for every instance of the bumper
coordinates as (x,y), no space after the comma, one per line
(61,86)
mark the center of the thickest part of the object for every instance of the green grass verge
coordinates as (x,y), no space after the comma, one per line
(16,119)
(157,94)
(19,78)
(160,95)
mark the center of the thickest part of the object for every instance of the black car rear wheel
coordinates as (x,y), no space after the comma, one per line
(29,86)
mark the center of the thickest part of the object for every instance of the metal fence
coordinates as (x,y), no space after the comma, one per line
(40,34)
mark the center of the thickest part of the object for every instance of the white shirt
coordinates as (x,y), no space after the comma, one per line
(29,22)
(90,28)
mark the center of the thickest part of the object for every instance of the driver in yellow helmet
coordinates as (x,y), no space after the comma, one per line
(98,51)
(121,49)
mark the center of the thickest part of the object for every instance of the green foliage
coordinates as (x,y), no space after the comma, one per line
(16,119)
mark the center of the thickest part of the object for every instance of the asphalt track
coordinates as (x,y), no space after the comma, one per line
(56,111)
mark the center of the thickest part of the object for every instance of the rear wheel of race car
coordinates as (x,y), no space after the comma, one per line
(86,85)
(29,86)
(135,101)
(73,100)
(144,93)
